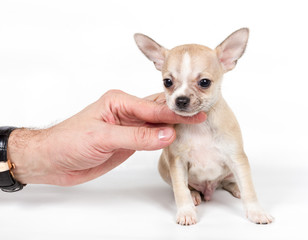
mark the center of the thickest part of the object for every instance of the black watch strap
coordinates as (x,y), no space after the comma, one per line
(7,181)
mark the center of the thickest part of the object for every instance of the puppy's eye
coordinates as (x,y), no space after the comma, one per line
(205,83)
(168,82)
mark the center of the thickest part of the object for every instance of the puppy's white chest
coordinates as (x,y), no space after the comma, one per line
(201,148)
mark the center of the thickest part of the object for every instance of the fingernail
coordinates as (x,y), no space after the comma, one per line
(165,134)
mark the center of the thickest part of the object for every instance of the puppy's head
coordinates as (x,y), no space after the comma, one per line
(192,73)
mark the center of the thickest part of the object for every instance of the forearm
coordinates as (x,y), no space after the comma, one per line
(27,150)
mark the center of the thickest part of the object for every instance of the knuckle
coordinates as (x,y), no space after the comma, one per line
(158,113)
(143,136)
(111,102)
(112,93)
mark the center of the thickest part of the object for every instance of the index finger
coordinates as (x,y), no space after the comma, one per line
(155,112)
(157,97)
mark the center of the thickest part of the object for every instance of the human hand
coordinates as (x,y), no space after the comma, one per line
(95,140)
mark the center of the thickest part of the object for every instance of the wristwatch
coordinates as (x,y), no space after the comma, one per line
(7,181)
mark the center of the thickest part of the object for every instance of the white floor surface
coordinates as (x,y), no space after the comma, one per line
(132,202)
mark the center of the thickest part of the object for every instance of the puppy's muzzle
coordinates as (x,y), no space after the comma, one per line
(182,102)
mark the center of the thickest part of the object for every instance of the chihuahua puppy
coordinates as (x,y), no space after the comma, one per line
(209,155)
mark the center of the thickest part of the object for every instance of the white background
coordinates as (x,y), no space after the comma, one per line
(56,57)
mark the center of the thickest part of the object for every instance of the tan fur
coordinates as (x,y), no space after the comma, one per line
(208,155)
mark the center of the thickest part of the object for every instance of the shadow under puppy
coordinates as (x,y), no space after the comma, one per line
(208,155)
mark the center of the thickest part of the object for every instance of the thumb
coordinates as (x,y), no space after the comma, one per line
(141,138)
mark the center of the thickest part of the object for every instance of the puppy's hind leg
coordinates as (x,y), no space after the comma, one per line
(163,168)
(195,195)
(231,187)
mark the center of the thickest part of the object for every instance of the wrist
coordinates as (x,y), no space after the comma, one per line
(26,150)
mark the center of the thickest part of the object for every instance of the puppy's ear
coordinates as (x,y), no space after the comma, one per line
(232,48)
(151,49)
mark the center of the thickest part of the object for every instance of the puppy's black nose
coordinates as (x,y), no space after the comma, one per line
(182,102)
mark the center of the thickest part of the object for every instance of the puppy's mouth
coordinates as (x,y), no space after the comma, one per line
(185,112)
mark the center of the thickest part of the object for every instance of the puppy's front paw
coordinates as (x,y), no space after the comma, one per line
(186,215)
(257,215)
